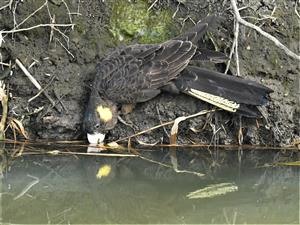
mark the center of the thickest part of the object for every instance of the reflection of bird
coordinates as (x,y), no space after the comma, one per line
(138,73)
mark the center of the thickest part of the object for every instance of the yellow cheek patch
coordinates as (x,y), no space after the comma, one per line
(105,113)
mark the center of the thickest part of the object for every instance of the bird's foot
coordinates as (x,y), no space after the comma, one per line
(127,108)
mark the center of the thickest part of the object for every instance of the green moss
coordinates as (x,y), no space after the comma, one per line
(133,21)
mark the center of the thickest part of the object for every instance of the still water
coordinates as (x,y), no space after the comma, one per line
(42,188)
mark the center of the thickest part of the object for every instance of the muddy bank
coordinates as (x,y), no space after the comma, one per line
(63,60)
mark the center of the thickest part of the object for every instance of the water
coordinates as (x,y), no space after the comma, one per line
(64,189)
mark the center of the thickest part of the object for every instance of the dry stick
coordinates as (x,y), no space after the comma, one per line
(165,124)
(42,90)
(160,120)
(296,9)
(59,98)
(26,72)
(52,20)
(52,29)
(7,5)
(5,64)
(4,101)
(36,26)
(145,131)
(42,6)
(174,129)
(14,13)
(78,7)
(259,30)
(69,13)
(236,36)
(232,48)
(33,80)
(65,48)
(56,152)
(153,4)
(53,26)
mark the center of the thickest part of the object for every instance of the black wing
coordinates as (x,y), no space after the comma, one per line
(136,73)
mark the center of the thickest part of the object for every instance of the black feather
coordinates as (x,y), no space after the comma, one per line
(229,87)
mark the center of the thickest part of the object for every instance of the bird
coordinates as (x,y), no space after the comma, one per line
(139,72)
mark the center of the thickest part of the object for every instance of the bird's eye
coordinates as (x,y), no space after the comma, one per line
(97,125)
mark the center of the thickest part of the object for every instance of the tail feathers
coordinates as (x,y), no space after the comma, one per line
(197,32)
(230,93)
(249,111)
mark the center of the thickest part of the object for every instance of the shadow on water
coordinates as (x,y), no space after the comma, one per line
(88,189)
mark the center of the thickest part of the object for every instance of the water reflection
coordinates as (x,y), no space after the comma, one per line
(59,189)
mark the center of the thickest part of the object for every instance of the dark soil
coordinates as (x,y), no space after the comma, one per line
(69,71)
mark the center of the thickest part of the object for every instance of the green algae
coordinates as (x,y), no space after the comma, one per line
(133,21)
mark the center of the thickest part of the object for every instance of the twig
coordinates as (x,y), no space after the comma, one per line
(296,11)
(52,29)
(4,100)
(236,37)
(176,11)
(42,6)
(5,64)
(67,39)
(174,129)
(160,120)
(30,77)
(33,80)
(69,13)
(60,99)
(152,5)
(65,48)
(145,131)
(259,30)
(36,26)
(165,124)
(232,48)
(42,90)
(7,5)
(57,152)
(14,13)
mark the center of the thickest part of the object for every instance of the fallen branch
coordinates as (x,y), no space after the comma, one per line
(259,30)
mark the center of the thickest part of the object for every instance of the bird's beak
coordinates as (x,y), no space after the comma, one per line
(96,138)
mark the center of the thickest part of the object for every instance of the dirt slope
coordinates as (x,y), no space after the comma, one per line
(63,60)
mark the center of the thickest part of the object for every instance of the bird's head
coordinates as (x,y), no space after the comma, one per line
(100,116)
